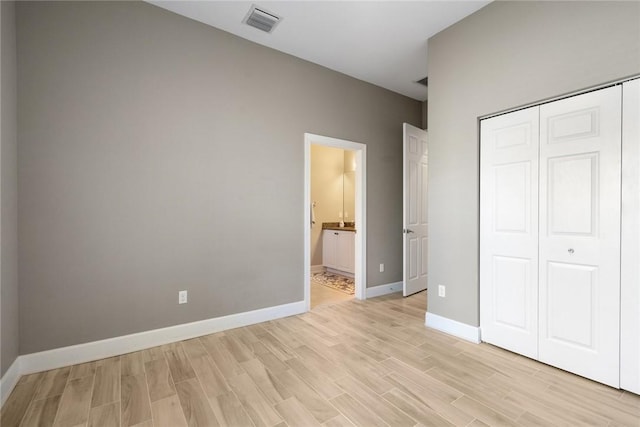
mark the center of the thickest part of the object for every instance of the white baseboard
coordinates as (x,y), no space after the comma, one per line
(317,269)
(9,380)
(65,356)
(389,288)
(453,327)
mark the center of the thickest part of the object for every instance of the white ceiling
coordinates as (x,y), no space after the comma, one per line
(380,42)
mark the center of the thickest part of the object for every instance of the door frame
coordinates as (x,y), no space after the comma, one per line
(360,211)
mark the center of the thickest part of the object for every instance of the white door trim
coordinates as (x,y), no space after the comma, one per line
(360,214)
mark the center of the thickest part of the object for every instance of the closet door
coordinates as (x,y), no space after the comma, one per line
(579,279)
(509,231)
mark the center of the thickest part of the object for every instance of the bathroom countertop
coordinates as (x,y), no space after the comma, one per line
(338,228)
(348,226)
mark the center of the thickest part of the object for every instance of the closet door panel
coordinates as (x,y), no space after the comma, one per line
(579,264)
(509,231)
(630,284)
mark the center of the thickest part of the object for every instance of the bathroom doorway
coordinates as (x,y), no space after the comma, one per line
(335,220)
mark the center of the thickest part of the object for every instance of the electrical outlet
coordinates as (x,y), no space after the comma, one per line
(182,297)
(381,268)
(442,291)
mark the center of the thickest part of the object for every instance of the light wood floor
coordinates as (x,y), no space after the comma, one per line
(369,363)
(321,295)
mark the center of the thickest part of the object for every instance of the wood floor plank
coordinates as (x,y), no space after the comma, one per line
(18,402)
(383,409)
(106,388)
(266,381)
(321,363)
(134,403)
(478,423)
(228,365)
(195,404)
(194,348)
(483,412)
(339,421)
(42,412)
(210,377)
(53,383)
(319,407)
(529,420)
(76,401)
(256,405)
(82,370)
(295,414)
(153,353)
(355,412)
(420,411)
(244,335)
(270,361)
(179,364)
(411,356)
(424,386)
(229,411)
(132,364)
(320,383)
(367,374)
(482,391)
(168,412)
(274,345)
(285,335)
(549,410)
(159,380)
(105,416)
(238,350)
(35,377)
(433,395)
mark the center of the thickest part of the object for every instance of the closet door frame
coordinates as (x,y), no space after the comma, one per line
(630,244)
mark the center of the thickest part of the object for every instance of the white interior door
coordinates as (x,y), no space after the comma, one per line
(509,231)
(415,209)
(579,277)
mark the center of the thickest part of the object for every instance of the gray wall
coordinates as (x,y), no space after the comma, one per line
(505,55)
(8,191)
(159,154)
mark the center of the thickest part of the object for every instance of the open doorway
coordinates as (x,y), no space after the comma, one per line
(343,229)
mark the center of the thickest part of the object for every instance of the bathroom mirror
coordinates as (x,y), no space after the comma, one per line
(349,186)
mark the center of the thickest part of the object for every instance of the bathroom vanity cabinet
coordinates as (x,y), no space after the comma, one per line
(338,250)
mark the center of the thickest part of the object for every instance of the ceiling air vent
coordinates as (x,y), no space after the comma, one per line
(261,19)
(424,81)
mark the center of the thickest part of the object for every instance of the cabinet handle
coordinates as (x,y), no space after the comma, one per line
(336,233)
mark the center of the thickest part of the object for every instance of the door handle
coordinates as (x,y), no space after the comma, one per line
(407,231)
(571,251)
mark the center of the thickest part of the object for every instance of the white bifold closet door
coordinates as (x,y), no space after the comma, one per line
(550,233)
(509,231)
(580,175)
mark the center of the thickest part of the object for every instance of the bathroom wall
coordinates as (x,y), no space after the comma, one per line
(327,169)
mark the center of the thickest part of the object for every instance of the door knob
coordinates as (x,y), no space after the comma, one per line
(571,251)
(407,231)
